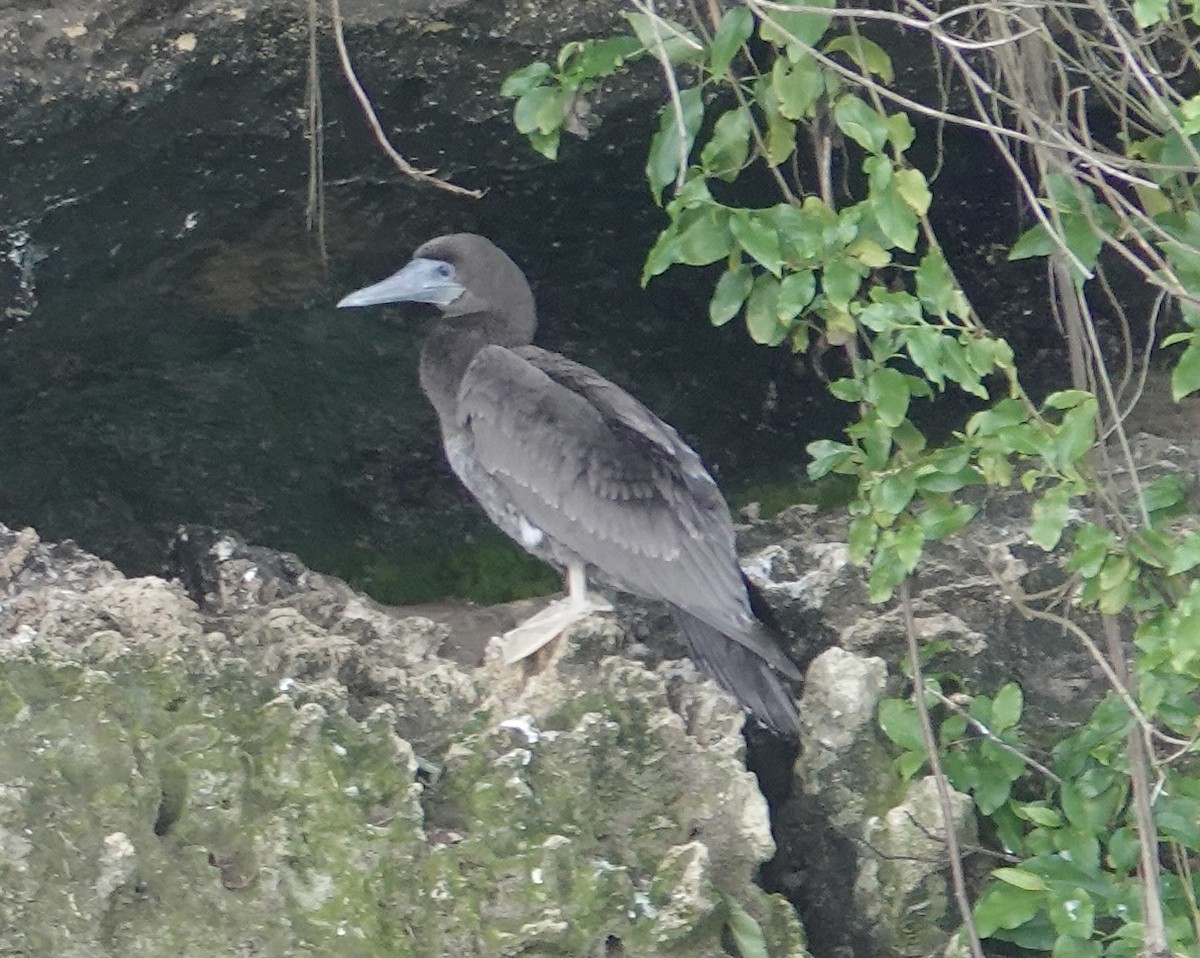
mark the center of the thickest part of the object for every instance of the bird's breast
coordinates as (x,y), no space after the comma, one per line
(491,495)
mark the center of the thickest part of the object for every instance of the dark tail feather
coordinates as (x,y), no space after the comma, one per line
(741,673)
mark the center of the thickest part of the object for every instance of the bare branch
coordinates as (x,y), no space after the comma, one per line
(953,853)
(423,176)
(660,53)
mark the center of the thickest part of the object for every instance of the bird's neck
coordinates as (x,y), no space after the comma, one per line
(446,353)
(453,342)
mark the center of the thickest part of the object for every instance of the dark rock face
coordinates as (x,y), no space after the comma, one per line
(170,352)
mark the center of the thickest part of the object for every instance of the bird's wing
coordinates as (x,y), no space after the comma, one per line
(595,470)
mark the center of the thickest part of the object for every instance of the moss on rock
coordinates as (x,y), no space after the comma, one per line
(181,783)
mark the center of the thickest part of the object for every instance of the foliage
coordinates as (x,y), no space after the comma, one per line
(866,273)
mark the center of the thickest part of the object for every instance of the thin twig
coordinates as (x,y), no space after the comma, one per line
(953,853)
(422,176)
(992,737)
(1140,755)
(314,211)
(1115,682)
(1183,867)
(660,53)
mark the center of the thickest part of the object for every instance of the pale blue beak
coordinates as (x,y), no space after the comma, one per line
(421,281)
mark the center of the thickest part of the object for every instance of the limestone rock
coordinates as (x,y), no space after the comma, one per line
(291,769)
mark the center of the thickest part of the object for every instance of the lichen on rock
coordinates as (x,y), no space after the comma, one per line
(288,769)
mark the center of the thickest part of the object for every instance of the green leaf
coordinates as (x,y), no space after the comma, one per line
(861,123)
(726,152)
(1124,849)
(1083,810)
(936,287)
(663,253)
(781,132)
(1006,707)
(1167,492)
(795,292)
(861,538)
(705,238)
(827,455)
(953,729)
(1003,415)
(868,55)
(899,721)
(597,58)
(943,519)
(1076,434)
(1050,515)
(695,193)
(847,390)
(901,131)
(746,933)
(910,542)
(992,787)
(540,110)
(1066,399)
(909,763)
(797,86)
(1020,879)
(1185,377)
(1092,544)
(1040,815)
(798,32)
(1186,555)
(755,231)
(840,281)
(869,253)
(1035,241)
(679,43)
(545,143)
(924,345)
(888,390)
(522,81)
(670,142)
(1006,906)
(913,189)
(891,494)
(895,218)
(761,310)
(735,28)
(732,289)
(1084,240)
(1074,915)
(1149,12)
(801,231)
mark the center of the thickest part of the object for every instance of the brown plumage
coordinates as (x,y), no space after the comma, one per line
(578,471)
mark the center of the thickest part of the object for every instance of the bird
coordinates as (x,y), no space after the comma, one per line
(579,473)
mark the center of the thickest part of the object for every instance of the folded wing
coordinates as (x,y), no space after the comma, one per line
(595,470)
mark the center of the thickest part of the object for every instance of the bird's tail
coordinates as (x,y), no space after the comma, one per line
(741,672)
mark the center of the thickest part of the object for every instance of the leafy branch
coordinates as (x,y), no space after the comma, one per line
(865,272)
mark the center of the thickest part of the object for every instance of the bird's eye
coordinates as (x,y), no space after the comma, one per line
(444,270)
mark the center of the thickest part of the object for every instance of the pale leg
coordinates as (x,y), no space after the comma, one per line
(553,620)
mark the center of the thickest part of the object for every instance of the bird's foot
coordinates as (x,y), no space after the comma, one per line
(525,639)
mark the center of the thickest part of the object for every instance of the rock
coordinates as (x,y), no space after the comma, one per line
(290,768)
(901,888)
(845,759)
(850,825)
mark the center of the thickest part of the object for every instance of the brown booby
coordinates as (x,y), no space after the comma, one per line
(580,473)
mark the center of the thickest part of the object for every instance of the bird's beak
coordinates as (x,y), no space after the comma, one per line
(421,281)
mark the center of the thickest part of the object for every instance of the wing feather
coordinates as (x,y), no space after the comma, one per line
(598,472)
(595,470)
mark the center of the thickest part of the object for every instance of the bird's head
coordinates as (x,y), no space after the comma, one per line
(464,275)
